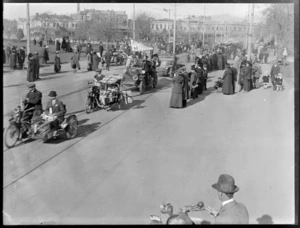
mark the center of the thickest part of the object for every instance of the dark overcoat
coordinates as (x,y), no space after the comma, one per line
(220,62)
(96,61)
(227,87)
(35,100)
(57,65)
(30,70)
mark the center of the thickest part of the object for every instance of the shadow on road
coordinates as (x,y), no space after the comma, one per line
(52,73)
(15,85)
(201,97)
(87,129)
(265,219)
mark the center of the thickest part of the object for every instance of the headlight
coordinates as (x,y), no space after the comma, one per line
(135,77)
(143,71)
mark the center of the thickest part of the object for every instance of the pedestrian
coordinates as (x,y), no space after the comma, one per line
(227,87)
(242,76)
(8,53)
(96,61)
(194,85)
(30,68)
(284,56)
(46,54)
(198,69)
(89,60)
(231,212)
(205,76)
(266,56)
(75,62)
(185,86)
(247,77)
(220,61)
(256,73)
(41,43)
(21,57)
(234,76)
(108,56)
(13,59)
(261,56)
(88,48)
(34,100)
(57,45)
(101,49)
(57,65)
(275,70)
(176,100)
(36,60)
(34,42)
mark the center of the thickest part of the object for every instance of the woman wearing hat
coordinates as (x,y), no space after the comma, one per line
(57,65)
(176,100)
(75,62)
(231,212)
(227,87)
(30,68)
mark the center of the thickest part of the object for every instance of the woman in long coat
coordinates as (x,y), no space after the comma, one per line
(57,65)
(185,88)
(96,61)
(75,62)
(30,68)
(176,100)
(89,61)
(13,60)
(248,77)
(227,87)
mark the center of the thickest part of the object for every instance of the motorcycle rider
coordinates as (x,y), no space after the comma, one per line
(33,99)
(147,65)
(155,63)
(55,108)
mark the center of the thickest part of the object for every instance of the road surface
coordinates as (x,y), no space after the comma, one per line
(124,163)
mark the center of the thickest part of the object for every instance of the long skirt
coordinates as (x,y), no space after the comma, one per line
(247,85)
(176,100)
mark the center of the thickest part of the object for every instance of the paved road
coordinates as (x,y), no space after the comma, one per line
(124,163)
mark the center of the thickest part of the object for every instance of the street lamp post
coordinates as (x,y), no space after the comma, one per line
(28,30)
(166,10)
(174,30)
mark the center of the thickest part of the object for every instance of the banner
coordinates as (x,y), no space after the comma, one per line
(136,46)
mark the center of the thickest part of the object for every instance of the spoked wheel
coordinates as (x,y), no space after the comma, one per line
(11,135)
(142,87)
(88,105)
(71,130)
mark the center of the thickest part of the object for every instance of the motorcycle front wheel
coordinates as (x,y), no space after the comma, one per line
(72,128)
(142,87)
(11,135)
(88,105)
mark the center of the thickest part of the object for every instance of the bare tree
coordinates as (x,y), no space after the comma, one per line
(142,26)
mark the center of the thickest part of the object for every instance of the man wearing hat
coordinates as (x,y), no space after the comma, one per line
(231,212)
(36,66)
(275,70)
(34,99)
(56,108)
(46,54)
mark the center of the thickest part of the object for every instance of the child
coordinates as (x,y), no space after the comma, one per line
(218,84)
(278,82)
(266,80)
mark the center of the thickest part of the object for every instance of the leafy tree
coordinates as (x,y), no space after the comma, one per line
(20,34)
(10,27)
(142,26)
(278,22)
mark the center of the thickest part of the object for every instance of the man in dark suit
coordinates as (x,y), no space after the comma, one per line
(234,76)
(55,108)
(101,49)
(275,70)
(33,100)
(231,212)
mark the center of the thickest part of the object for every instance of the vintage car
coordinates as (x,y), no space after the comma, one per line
(165,68)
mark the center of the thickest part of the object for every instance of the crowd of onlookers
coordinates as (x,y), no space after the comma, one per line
(14,56)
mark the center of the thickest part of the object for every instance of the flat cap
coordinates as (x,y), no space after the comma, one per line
(30,85)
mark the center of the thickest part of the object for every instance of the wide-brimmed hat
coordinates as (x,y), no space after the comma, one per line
(52,94)
(30,85)
(226,184)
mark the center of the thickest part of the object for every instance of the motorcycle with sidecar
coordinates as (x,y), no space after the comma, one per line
(23,126)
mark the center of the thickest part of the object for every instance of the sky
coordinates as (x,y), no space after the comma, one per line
(18,10)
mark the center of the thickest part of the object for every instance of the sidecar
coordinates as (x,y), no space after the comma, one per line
(41,127)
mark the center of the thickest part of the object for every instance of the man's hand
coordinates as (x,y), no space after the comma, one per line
(212,211)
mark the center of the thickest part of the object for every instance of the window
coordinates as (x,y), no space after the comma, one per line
(152,26)
(156,26)
(161,26)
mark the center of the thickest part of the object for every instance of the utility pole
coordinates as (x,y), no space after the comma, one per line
(169,26)
(250,33)
(189,29)
(133,27)
(247,37)
(215,28)
(28,30)
(203,25)
(174,30)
